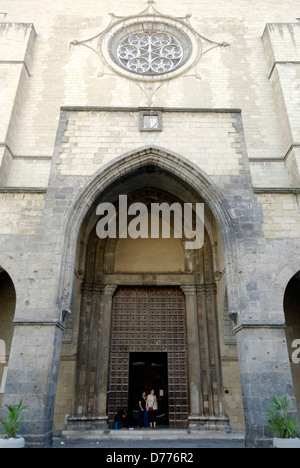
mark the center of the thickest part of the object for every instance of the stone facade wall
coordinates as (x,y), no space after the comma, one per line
(281,215)
(93,139)
(264,85)
(21,213)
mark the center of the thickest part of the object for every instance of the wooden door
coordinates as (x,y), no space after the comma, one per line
(150,320)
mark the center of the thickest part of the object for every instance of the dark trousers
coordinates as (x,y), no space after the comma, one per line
(143,418)
(152,416)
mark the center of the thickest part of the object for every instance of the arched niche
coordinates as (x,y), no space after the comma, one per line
(292,318)
(7,311)
(190,180)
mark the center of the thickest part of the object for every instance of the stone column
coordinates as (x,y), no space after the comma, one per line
(104,349)
(88,324)
(93,358)
(206,380)
(213,410)
(211,307)
(193,343)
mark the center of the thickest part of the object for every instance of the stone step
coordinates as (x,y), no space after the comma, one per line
(151,434)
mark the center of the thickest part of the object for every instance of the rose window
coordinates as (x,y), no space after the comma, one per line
(150,53)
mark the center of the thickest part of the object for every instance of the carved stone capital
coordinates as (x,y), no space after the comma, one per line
(189,290)
(211,289)
(109,289)
(206,290)
(100,289)
(201,291)
(91,288)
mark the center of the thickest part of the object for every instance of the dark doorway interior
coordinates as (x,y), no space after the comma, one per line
(147,371)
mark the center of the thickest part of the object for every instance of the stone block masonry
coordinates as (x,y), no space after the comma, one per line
(93,138)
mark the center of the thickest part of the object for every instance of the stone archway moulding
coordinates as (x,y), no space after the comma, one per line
(186,171)
(285,274)
(9,266)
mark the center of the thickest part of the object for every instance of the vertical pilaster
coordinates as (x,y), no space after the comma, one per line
(213,409)
(93,358)
(193,343)
(206,378)
(103,349)
(217,388)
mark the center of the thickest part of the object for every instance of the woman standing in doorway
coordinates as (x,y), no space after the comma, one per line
(152,408)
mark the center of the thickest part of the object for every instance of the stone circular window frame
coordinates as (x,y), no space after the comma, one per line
(150,52)
(114,35)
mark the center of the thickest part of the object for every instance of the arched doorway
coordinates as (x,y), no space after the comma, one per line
(127,279)
(81,400)
(292,317)
(7,311)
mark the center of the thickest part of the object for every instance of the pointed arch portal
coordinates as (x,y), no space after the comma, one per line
(134,283)
(190,179)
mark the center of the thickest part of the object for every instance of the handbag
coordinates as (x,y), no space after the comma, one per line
(150,409)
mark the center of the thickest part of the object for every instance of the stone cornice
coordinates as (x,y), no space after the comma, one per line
(197,110)
(256,325)
(39,322)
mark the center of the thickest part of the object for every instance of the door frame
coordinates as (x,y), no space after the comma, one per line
(134,394)
(178,366)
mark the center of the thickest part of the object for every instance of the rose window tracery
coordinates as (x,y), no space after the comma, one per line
(150,53)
